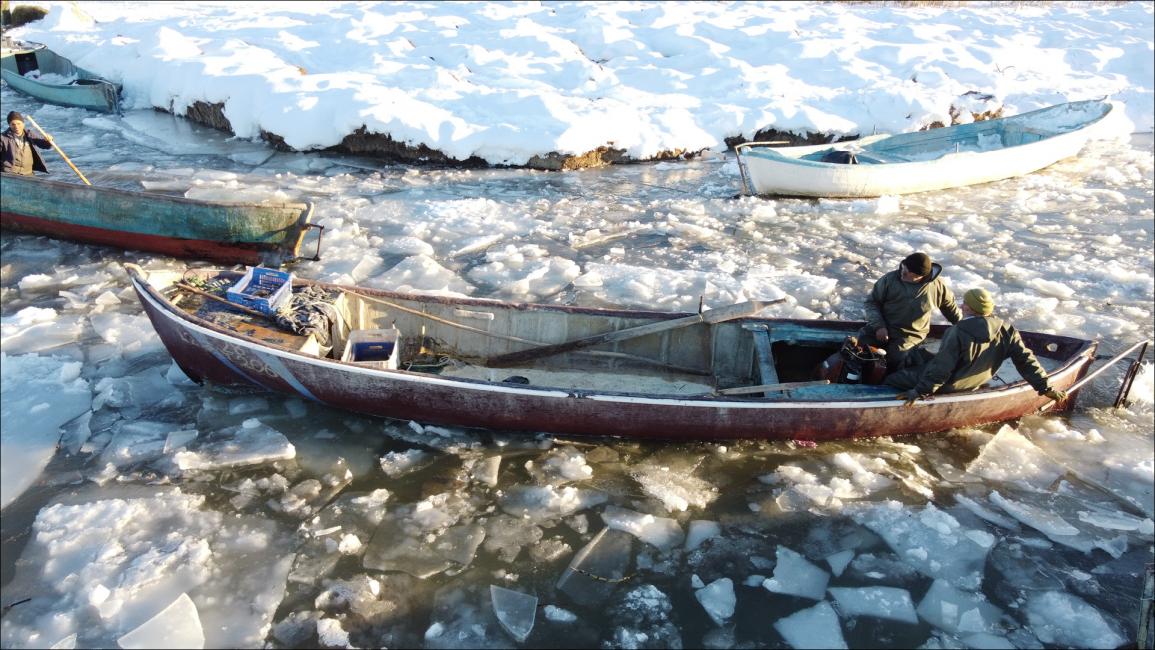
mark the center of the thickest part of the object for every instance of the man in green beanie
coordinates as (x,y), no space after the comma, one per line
(970,354)
(899,307)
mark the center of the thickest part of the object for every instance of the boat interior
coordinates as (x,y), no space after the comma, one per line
(464,339)
(919,146)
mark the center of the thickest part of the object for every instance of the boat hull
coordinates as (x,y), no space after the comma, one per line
(235,233)
(89,90)
(931,160)
(209,353)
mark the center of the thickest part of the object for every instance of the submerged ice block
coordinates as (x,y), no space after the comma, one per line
(514,610)
(598,567)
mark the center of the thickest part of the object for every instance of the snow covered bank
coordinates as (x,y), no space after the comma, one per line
(580,84)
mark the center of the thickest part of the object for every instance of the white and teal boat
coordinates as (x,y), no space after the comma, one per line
(38,72)
(953,156)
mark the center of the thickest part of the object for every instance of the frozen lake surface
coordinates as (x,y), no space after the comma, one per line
(145,510)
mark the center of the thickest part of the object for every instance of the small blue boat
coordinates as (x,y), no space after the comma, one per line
(38,72)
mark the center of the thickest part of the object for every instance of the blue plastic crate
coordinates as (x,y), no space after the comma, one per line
(263,289)
(377,348)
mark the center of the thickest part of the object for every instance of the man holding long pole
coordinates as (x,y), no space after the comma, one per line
(17,155)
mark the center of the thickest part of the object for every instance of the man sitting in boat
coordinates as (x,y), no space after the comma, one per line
(899,307)
(16,153)
(970,354)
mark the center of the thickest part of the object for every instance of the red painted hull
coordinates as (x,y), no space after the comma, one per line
(252,233)
(213,251)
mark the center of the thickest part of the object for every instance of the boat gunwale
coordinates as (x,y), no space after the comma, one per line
(1071,363)
(791,156)
(146,194)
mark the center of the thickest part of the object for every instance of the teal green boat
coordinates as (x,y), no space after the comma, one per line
(36,71)
(265,234)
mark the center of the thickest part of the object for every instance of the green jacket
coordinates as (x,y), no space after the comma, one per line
(905,308)
(971,353)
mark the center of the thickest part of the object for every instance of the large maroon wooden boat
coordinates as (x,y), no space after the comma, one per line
(600,372)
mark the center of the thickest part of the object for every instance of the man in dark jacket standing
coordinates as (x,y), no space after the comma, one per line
(899,307)
(971,353)
(17,156)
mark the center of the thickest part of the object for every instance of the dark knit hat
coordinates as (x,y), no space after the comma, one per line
(13,115)
(917,263)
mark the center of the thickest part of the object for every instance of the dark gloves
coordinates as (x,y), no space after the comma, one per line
(910,396)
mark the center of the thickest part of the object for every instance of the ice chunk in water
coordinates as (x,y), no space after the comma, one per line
(927,538)
(661,532)
(37,396)
(1009,456)
(565,464)
(677,490)
(1045,522)
(718,599)
(540,503)
(838,561)
(67,643)
(515,611)
(1065,619)
(986,513)
(396,547)
(816,627)
(136,442)
(486,470)
(597,568)
(700,531)
(956,611)
(175,626)
(985,641)
(250,443)
(889,603)
(796,576)
(506,536)
(400,463)
(559,615)
(1114,520)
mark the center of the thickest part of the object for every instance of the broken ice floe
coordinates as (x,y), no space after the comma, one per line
(1065,619)
(594,572)
(548,502)
(127,559)
(677,490)
(38,395)
(662,532)
(815,627)
(796,576)
(1010,457)
(396,464)
(514,610)
(889,603)
(700,531)
(958,612)
(175,626)
(718,599)
(250,443)
(930,540)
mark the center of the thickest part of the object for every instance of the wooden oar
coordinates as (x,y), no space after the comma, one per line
(213,296)
(52,141)
(767,388)
(740,310)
